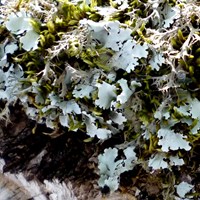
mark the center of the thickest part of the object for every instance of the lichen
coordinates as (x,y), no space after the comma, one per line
(90,68)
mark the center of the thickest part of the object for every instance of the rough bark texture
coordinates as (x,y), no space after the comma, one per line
(47,155)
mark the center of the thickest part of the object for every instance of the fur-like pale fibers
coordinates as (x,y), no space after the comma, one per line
(16,187)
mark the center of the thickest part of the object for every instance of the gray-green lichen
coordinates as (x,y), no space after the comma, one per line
(107,68)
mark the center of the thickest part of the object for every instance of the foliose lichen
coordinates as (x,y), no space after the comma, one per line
(107,68)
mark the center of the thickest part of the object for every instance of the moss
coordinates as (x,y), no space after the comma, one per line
(67,56)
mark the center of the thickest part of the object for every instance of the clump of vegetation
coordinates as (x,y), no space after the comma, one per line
(112,68)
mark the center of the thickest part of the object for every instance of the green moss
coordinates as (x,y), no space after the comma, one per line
(65,43)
